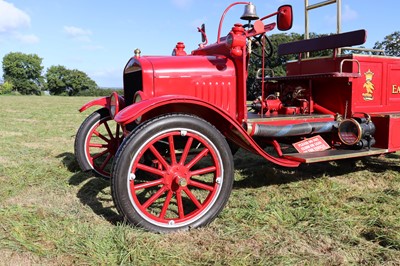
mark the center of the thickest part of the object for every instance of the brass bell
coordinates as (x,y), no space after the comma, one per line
(249,12)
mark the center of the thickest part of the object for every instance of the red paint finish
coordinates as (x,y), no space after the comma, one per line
(394,133)
(211,83)
(334,108)
(353,84)
(209,78)
(103,102)
(387,131)
(376,90)
(225,123)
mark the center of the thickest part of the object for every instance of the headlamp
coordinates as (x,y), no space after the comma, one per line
(114,104)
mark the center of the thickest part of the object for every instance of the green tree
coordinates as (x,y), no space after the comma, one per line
(6,88)
(391,44)
(63,81)
(80,81)
(24,72)
(56,79)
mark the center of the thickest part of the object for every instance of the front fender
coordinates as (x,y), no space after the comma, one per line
(103,101)
(134,111)
(225,123)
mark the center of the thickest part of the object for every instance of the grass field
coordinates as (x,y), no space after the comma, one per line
(340,213)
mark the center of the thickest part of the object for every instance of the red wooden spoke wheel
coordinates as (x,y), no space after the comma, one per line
(174,172)
(96,143)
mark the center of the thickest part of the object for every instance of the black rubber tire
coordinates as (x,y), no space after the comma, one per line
(152,133)
(82,153)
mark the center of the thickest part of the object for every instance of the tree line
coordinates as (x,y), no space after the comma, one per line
(22,73)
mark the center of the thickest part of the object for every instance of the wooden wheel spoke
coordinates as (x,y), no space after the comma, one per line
(108,130)
(186,150)
(166,204)
(201,185)
(106,161)
(159,157)
(148,184)
(198,157)
(98,134)
(172,149)
(181,211)
(203,171)
(117,129)
(150,170)
(193,198)
(153,198)
(98,145)
(100,154)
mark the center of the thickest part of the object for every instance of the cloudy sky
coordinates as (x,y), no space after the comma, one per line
(98,37)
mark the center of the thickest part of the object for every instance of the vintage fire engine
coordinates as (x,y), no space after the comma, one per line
(167,144)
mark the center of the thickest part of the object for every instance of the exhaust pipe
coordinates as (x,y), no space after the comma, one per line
(295,130)
(357,132)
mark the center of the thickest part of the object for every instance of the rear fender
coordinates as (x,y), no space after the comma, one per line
(226,124)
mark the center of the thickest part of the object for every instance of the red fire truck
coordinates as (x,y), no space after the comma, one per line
(167,144)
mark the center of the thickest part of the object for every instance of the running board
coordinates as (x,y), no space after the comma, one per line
(331,155)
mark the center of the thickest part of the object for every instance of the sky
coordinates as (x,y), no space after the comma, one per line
(98,37)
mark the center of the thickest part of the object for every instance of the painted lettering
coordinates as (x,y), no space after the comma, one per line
(395,89)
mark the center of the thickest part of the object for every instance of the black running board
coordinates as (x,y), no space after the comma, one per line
(331,155)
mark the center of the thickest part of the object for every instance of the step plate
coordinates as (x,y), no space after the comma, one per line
(331,155)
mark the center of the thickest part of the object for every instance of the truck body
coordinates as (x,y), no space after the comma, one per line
(169,151)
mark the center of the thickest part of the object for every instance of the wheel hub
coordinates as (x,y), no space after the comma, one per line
(181,181)
(177,177)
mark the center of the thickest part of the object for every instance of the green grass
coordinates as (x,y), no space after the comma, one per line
(339,213)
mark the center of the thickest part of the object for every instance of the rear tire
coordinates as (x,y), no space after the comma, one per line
(172,173)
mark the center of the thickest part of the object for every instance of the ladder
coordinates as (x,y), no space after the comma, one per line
(308,7)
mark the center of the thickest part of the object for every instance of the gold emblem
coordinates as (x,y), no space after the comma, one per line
(369,86)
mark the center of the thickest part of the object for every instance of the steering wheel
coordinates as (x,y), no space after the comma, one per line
(257,41)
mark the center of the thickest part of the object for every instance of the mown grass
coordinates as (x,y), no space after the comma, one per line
(339,213)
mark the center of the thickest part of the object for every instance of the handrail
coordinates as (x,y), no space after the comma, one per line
(259,73)
(352,61)
(365,50)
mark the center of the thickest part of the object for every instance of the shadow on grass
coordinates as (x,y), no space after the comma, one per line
(257,172)
(93,191)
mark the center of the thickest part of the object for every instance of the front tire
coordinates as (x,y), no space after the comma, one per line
(172,173)
(96,143)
